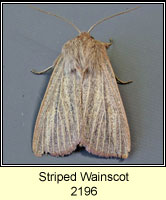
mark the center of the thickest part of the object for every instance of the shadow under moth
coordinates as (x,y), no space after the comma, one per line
(82,104)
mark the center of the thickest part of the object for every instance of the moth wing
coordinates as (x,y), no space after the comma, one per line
(57,126)
(105,127)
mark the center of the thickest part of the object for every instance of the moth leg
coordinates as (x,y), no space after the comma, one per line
(43,71)
(48,68)
(122,82)
(108,44)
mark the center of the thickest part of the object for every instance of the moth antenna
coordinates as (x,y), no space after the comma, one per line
(62,18)
(102,20)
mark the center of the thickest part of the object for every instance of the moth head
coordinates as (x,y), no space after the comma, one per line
(85,34)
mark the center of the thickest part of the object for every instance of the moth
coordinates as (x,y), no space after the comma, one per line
(82,104)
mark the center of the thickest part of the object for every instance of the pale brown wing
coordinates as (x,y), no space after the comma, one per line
(57,126)
(106,131)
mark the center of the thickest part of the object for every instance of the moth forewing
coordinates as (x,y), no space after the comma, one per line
(106,131)
(56,129)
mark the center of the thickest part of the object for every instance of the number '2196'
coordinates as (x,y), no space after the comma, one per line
(84,191)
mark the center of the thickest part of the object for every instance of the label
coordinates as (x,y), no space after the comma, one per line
(82,183)
(83,177)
